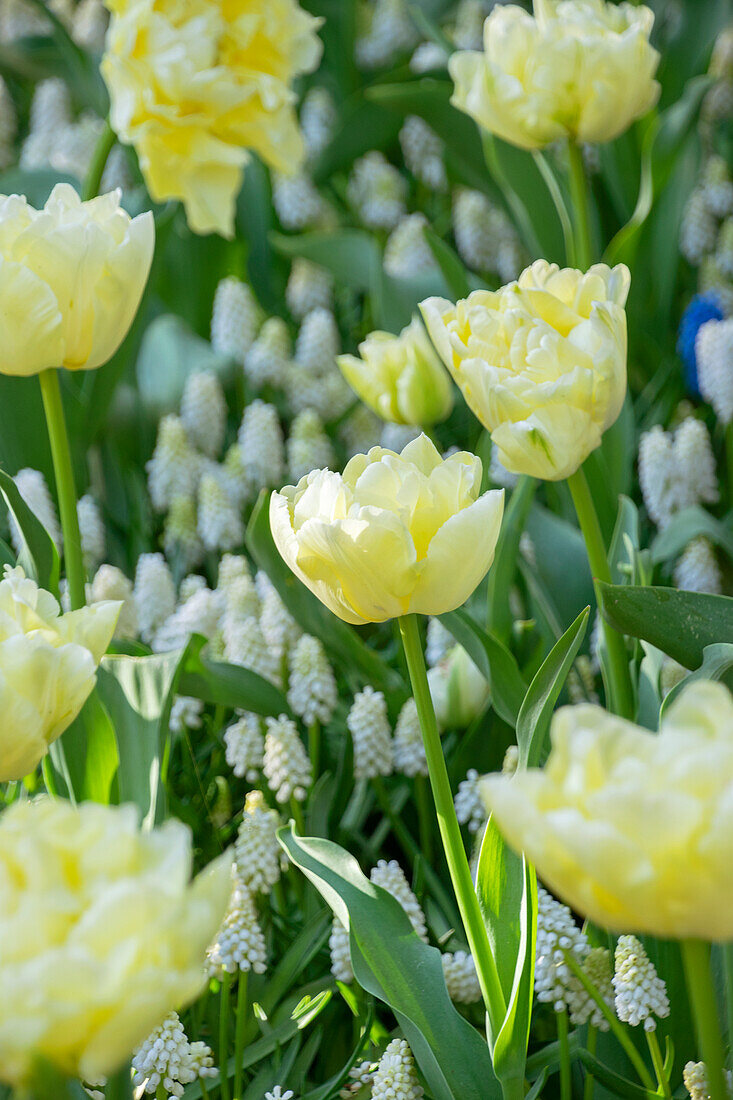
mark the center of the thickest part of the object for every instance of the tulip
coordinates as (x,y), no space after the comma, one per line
(101,934)
(48,667)
(392,535)
(577,69)
(458,689)
(400,377)
(541,362)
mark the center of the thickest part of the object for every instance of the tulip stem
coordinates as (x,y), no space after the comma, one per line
(696,960)
(101,153)
(450,832)
(620,693)
(581,210)
(65,488)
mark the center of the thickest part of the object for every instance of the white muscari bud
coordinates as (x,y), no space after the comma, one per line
(407,253)
(239,943)
(219,524)
(180,534)
(318,341)
(361,1076)
(266,361)
(309,287)
(236,318)
(245,747)
(278,1094)
(395,1077)
(261,440)
(312,691)
(199,614)
(234,473)
(693,452)
(31,485)
(377,191)
(390,31)
(717,187)
(470,809)
(597,967)
(308,447)
(554,981)
(370,734)
(338,944)
(245,645)
(155,594)
(110,583)
(429,56)
(640,992)
(50,109)
(527,549)
(714,348)
(279,628)
(318,118)
(439,644)
(288,770)
(698,230)
(240,600)
(167,1058)
(186,713)
(461,979)
(20,19)
(231,566)
(8,126)
(498,472)
(695,1076)
(423,153)
(174,467)
(190,585)
(469,24)
(658,475)
(338,396)
(697,570)
(91,531)
(473,230)
(89,25)
(72,147)
(117,172)
(360,430)
(390,876)
(297,201)
(204,412)
(409,750)
(258,856)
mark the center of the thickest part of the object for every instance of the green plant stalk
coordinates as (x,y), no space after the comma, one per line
(727,950)
(590,1046)
(696,960)
(101,153)
(559,202)
(314,746)
(226,982)
(239,1032)
(614,1023)
(581,212)
(566,1084)
(729,458)
(424,817)
(297,811)
(658,1063)
(61,455)
(450,832)
(621,696)
(161,1093)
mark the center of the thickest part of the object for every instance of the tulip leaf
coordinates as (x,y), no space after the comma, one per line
(688,525)
(560,564)
(343,644)
(393,964)
(351,255)
(535,713)
(450,264)
(681,624)
(493,660)
(501,574)
(228,685)
(614,1082)
(365,125)
(90,748)
(717,664)
(39,556)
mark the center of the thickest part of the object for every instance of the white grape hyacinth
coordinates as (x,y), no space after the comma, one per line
(288,770)
(308,447)
(186,713)
(245,746)
(235,320)
(423,153)
(714,349)
(407,251)
(371,735)
(318,116)
(266,360)
(239,943)
(155,594)
(219,523)
(204,412)
(318,342)
(31,485)
(338,943)
(168,1059)
(390,876)
(279,628)
(312,691)
(258,857)
(469,804)
(409,749)
(110,583)
(461,979)
(395,1077)
(697,570)
(377,190)
(245,646)
(261,440)
(641,995)
(174,467)
(309,287)
(91,532)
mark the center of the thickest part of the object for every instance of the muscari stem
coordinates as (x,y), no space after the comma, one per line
(696,960)
(450,832)
(226,982)
(581,211)
(239,1032)
(63,469)
(590,1046)
(621,697)
(314,746)
(566,1087)
(658,1063)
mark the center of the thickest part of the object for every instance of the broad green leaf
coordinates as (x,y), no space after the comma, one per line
(393,964)
(90,747)
(688,525)
(493,659)
(717,664)
(228,685)
(39,556)
(341,640)
(614,1082)
(254,220)
(351,255)
(36,184)
(450,264)
(169,352)
(681,624)
(365,125)
(561,563)
(501,574)
(533,720)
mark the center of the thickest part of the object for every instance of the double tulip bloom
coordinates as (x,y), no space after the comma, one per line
(392,535)
(71,279)
(541,362)
(102,933)
(633,829)
(577,69)
(48,665)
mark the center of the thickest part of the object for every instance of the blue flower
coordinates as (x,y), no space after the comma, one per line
(702,308)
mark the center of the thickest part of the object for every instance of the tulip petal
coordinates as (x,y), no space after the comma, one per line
(30,322)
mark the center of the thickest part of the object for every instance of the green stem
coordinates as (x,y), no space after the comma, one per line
(424,817)
(242,1009)
(618,1029)
(314,746)
(226,983)
(98,163)
(581,210)
(297,811)
(61,455)
(658,1063)
(727,950)
(161,1093)
(696,959)
(729,457)
(450,832)
(620,692)
(566,1086)
(557,197)
(590,1046)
